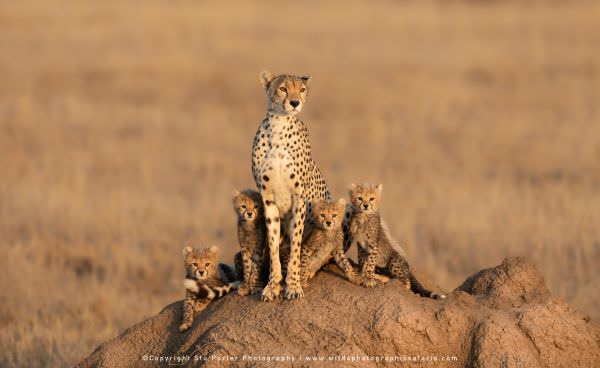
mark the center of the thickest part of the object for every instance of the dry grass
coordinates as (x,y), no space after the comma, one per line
(124,126)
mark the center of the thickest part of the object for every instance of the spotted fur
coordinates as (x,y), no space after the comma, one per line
(252,238)
(202,282)
(325,241)
(376,248)
(286,175)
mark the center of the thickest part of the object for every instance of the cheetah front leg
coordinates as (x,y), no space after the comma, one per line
(344,263)
(368,270)
(191,306)
(293,288)
(247,267)
(273,288)
(188,313)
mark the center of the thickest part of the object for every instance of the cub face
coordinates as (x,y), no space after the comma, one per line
(200,264)
(328,215)
(247,205)
(286,93)
(365,198)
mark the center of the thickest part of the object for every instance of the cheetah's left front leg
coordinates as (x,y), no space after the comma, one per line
(368,270)
(293,288)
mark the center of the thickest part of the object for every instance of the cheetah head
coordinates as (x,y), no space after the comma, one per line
(328,215)
(200,264)
(247,205)
(365,198)
(286,93)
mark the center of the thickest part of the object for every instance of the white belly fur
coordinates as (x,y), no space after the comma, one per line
(279,179)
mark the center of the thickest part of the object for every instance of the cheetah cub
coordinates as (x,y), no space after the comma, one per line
(325,241)
(202,282)
(251,229)
(376,248)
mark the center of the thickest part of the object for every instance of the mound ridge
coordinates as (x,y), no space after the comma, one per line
(500,317)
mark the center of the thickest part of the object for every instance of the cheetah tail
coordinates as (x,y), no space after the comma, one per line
(417,288)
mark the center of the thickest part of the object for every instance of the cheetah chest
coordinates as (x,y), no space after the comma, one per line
(278,170)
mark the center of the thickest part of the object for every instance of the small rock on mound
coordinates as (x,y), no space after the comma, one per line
(500,317)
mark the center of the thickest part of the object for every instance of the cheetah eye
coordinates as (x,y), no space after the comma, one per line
(372,199)
(243,207)
(322,215)
(334,215)
(207,264)
(302,90)
(195,264)
(360,198)
(283,89)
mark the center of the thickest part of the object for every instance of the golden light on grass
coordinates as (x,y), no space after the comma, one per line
(125,127)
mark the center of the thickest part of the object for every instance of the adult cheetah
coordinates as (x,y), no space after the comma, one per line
(286,176)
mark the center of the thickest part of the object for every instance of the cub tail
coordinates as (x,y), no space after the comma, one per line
(209,292)
(417,288)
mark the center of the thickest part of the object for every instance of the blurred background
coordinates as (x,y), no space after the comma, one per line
(125,126)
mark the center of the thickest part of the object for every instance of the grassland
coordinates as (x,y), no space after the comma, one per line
(124,126)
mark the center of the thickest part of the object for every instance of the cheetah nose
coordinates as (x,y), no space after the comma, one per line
(328,223)
(294,103)
(365,206)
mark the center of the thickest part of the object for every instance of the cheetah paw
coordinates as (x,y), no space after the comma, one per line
(270,292)
(294,292)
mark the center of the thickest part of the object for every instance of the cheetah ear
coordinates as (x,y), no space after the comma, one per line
(265,78)
(342,202)
(379,188)
(187,250)
(306,79)
(234,195)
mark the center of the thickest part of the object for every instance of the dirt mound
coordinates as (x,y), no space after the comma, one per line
(500,317)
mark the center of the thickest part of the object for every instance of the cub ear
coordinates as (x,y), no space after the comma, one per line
(234,195)
(187,250)
(342,204)
(265,78)
(214,249)
(379,188)
(306,79)
(351,188)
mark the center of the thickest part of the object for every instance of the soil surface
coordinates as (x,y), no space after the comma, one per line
(500,317)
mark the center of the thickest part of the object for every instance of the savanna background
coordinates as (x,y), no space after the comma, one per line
(125,126)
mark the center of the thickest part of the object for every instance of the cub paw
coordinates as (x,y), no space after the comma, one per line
(185,326)
(255,290)
(243,291)
(356,280)
(369,282)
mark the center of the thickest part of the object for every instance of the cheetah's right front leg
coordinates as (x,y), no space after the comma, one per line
(273,288)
